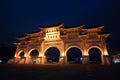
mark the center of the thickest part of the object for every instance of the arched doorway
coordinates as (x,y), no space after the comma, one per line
(34,55)
(52,55)
(21,55)
(74,55)
(95,56)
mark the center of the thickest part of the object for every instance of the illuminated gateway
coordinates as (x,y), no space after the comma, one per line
(60,45)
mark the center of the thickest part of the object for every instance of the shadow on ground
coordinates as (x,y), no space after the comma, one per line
(59,72)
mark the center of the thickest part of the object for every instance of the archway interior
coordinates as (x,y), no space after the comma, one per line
(52,54)
(21,55)
(34,55)
(95,55)
(74,55)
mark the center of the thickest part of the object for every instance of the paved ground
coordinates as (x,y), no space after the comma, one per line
(60,72)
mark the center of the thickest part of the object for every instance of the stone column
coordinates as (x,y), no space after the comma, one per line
(60,60)
(85,59)
(16,60)
(64,58)
(102,59)
(43,60)
(27,60)
(66,61)
(24,59)
(40,58)
(107,59)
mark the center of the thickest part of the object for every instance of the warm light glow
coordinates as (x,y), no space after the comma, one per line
(85,53)
(62,54)
(40,55)
(25,55)
(15,55)
(106,53)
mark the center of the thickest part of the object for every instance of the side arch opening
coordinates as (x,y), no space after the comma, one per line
(34,55)
(95,55)
(22,54)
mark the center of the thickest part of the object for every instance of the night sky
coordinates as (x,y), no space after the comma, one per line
(18,17)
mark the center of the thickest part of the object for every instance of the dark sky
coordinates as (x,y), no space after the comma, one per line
(20,16)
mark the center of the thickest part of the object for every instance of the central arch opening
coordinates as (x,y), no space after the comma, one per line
(34,55)
(95,56)
(52,55)
(74,55)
